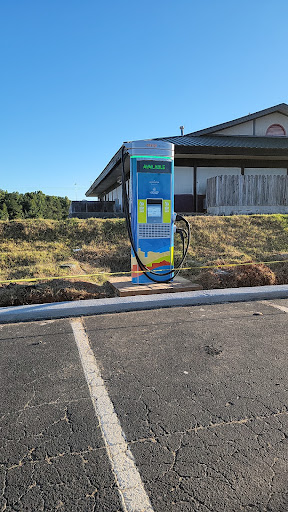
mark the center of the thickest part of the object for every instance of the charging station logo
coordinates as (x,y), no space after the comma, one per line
(154,191)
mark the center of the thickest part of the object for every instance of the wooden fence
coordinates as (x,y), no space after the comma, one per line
(247,194)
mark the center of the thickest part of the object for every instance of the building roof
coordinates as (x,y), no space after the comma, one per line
(282,108)
(205,142)
(229,141)
(200,145)
(98,186)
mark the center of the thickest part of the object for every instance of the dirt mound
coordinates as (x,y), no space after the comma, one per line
(54,291)
(281,272)
(235,277)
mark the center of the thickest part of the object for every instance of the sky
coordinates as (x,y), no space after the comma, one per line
(80,77)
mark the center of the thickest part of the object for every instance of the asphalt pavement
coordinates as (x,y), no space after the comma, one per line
(53,456)
(199,393)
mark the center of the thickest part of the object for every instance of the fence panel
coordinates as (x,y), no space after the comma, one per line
(255,194)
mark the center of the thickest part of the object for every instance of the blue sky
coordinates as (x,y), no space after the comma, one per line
(79,78)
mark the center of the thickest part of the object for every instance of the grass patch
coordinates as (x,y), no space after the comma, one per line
(40,248)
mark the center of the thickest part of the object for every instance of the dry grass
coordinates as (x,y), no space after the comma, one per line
(39,248)
(54,291)
(234,277)
(238,238)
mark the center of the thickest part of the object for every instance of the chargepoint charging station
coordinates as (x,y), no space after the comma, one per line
(149,211)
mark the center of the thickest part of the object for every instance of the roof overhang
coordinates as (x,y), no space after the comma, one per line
(216,147)
(108,177)
(227,151)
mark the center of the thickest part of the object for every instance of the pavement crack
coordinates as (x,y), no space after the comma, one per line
(197,501)
(30,400)
(60,505)
(175,455)
(50,458)
(4,507)
(270,484)
(58,401)
(93,493)
(67,418)
(197,428)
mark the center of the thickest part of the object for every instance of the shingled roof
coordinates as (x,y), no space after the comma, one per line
(229,141)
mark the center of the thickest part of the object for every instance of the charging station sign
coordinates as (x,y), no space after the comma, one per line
(154,167)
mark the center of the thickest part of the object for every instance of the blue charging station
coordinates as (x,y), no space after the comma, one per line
(152,210)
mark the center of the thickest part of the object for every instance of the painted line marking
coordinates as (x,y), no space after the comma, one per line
(132,493)
(276,306)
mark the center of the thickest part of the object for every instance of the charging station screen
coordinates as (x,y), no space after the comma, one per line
(154,210)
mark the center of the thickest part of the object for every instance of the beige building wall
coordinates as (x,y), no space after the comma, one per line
(183,180)
(238,129)
(257,127)
(262,123)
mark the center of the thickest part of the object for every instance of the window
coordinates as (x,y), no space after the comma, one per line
(276,130)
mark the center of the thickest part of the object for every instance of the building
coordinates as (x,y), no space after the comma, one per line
(251,145)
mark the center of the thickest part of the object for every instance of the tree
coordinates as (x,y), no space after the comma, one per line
(4,212)
(14,205)
(33,205)
(65,205)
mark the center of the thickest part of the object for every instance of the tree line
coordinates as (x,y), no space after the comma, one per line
(32,205)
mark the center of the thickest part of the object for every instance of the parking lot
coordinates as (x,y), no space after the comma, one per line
(179,409)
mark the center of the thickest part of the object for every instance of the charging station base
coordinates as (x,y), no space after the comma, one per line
(124,287)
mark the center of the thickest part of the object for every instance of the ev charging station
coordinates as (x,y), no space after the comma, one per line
(150,213)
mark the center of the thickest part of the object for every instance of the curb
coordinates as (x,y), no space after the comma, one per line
(120,304)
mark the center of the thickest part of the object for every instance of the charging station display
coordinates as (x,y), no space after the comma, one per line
(154,210)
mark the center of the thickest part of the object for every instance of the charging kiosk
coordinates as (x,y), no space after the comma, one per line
(152,210)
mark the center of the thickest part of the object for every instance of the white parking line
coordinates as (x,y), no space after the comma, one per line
(128,480)
(277,306)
